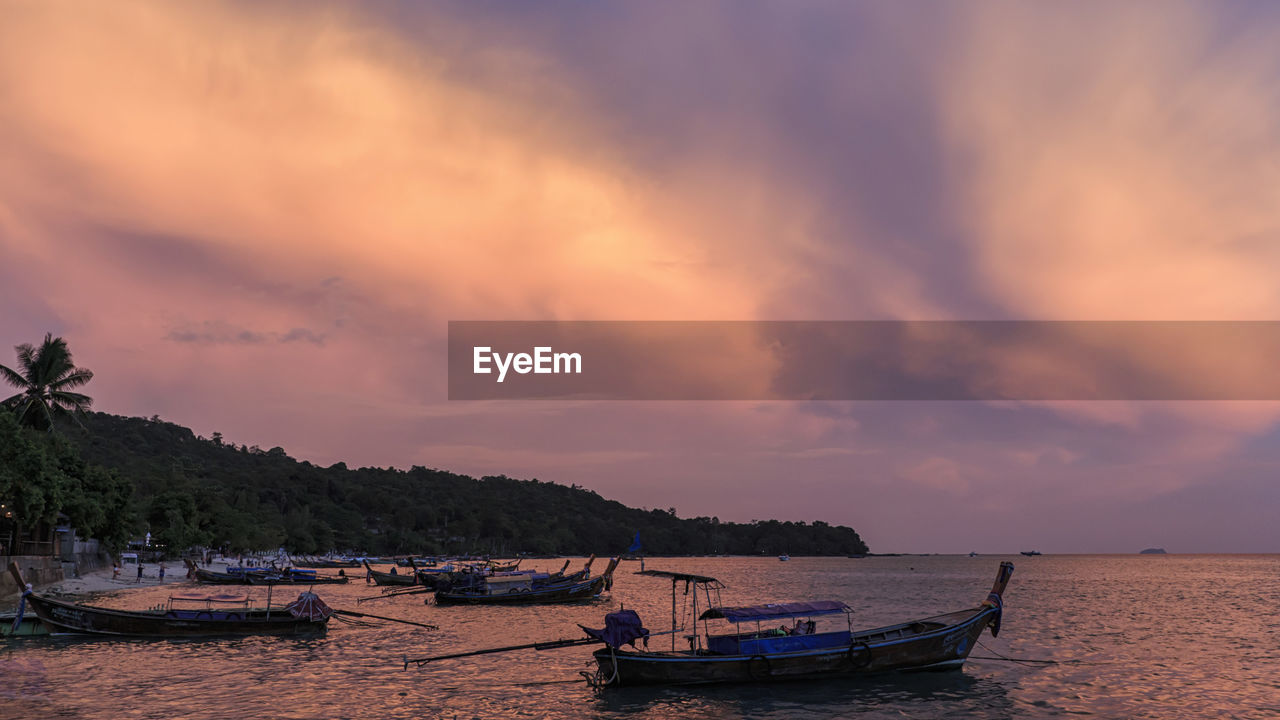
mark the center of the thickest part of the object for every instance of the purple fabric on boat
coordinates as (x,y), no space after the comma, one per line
(620,628)
(775,611)
(309,606)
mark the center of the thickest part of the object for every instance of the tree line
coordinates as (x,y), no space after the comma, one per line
(203,491)
(119,476)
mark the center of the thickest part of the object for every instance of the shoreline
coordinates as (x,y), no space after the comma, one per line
(100,580)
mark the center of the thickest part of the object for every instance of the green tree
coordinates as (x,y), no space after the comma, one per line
(31,487)
(175,520)
(45,384)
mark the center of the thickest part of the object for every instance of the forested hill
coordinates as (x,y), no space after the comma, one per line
(191,491)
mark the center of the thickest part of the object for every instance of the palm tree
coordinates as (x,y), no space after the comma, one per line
(45,384)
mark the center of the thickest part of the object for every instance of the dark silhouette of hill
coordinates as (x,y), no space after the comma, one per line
(191,490)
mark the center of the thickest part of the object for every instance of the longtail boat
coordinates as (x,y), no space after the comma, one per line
(211,577)
(262,576)
(182,616)
(521,589)
(387,578)
(292,576)
(792,652)
(326,563)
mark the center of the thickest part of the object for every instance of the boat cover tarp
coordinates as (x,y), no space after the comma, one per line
(620,628)
(775,611)
(309,606)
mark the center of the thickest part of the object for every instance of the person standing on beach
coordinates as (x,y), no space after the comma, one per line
(139,571)
(162,572)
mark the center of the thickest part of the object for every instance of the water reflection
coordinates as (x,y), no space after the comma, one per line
(933,694)
(1137,636)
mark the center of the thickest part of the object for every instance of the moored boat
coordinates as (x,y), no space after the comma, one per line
(294,577)
(522,589)
(939,642)
(262,576)
(182,616)
(392,578)
(327,563)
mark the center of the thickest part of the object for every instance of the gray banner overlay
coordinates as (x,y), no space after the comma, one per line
(865,360)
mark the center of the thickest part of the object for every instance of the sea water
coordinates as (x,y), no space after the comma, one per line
(1141,636)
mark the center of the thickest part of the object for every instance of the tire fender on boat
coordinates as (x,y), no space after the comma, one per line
(751,671)
(859,655)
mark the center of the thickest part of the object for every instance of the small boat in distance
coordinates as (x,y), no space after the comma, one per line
(262,576)
(392,578)
(526,589)
(1030,553)
(784,557)
(327,563)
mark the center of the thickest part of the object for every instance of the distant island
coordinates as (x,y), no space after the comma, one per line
(1153,551)
(189,491)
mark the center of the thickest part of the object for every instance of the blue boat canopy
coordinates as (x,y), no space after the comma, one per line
(776,611)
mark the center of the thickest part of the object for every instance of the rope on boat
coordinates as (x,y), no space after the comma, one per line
(22,607)
(596,680)
(1029,661)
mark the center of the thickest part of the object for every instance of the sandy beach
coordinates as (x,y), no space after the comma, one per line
(101,580)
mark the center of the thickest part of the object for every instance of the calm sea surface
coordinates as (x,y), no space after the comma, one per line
(1134,637)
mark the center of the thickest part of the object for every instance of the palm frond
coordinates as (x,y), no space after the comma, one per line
(71,400)
(78,377)
(26,359)
(53,360)
(13,378)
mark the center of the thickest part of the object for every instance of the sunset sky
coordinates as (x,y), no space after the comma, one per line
(258,218)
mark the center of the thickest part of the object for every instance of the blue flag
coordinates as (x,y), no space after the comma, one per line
(635,544)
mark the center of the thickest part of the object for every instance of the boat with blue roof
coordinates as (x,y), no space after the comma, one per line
(782,641)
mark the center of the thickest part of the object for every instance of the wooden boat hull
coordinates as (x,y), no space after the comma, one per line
(909,647)
(569,592)
(381,578)
(326,564)
(217,578)
(390,579)
(62,617)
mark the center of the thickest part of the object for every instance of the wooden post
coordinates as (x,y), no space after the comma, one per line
(673,614)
